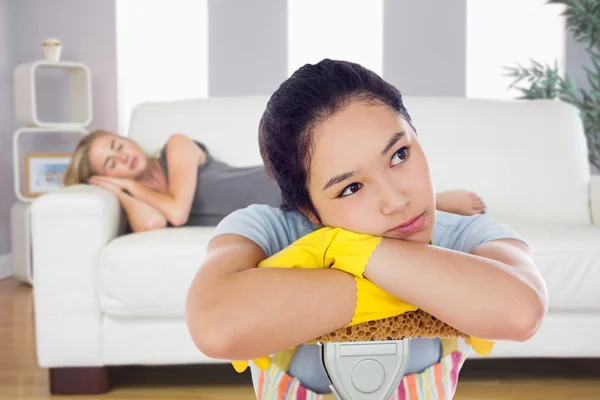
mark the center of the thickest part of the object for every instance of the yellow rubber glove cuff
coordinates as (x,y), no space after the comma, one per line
(306,252)
(263,363)
(350,251)
(327,248)
(373,303)
(480,346)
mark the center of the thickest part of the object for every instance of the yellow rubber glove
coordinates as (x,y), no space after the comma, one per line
(327,248)
(350,251)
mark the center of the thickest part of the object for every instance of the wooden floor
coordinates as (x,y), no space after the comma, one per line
(20,377)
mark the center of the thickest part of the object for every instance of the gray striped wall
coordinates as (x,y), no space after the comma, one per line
(424,46)
(247,52)
(424,50)
(248,46)
(576,59)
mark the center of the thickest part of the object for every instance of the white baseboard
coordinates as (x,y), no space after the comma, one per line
(5,266)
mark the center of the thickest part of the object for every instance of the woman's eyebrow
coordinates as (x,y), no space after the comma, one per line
(338,178)
(342,177)
(395,137)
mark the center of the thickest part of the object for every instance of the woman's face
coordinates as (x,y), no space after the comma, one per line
(118,157)
(368,174)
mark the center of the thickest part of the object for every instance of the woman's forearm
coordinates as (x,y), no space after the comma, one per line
(141,216)
(261,311)
(479,296)
(163,202)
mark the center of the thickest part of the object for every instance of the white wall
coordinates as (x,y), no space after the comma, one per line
(162,52)
(337,29)
(504,33)
(6,123)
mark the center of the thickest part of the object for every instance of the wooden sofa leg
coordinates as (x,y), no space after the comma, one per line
(79,380)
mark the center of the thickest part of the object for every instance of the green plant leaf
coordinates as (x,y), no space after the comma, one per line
(539,81)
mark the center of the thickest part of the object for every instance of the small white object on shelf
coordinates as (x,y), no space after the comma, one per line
(17,153)
(80,94)
(52,49)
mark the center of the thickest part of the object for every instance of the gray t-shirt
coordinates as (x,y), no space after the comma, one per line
(274,229)
(217,181)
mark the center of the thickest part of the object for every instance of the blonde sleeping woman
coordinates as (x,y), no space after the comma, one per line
(186,185)
(345,154)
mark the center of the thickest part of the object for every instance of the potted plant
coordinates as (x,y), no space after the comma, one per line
(545,82)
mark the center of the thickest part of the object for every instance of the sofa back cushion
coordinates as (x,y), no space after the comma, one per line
(527,159)
(227,125)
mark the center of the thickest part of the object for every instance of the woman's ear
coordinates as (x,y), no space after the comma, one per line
(310,215)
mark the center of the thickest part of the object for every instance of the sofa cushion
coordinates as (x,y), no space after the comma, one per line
(568,257)
(148,274)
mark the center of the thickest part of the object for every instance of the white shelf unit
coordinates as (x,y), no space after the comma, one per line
(80,94)
(17,152)
(26,79)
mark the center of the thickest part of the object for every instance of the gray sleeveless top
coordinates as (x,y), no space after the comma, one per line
(222,189)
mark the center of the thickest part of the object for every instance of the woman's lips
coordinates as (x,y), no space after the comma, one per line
(133,162)
(412,226)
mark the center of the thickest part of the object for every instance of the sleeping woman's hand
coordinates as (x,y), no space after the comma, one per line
(141,216)
(104,183)
(110,183)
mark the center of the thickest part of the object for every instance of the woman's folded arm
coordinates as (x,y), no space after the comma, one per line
(496,293)
(236,311)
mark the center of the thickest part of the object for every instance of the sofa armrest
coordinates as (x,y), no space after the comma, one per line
(595,199)
(69,228)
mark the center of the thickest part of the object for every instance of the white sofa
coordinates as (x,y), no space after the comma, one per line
(103,298)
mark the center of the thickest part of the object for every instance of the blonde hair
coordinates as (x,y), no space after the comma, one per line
(80,168)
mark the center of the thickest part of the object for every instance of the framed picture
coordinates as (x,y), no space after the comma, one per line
(44,172)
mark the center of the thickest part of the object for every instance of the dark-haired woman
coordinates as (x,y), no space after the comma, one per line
(344,152)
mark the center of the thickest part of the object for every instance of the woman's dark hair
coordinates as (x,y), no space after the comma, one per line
(311,95)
